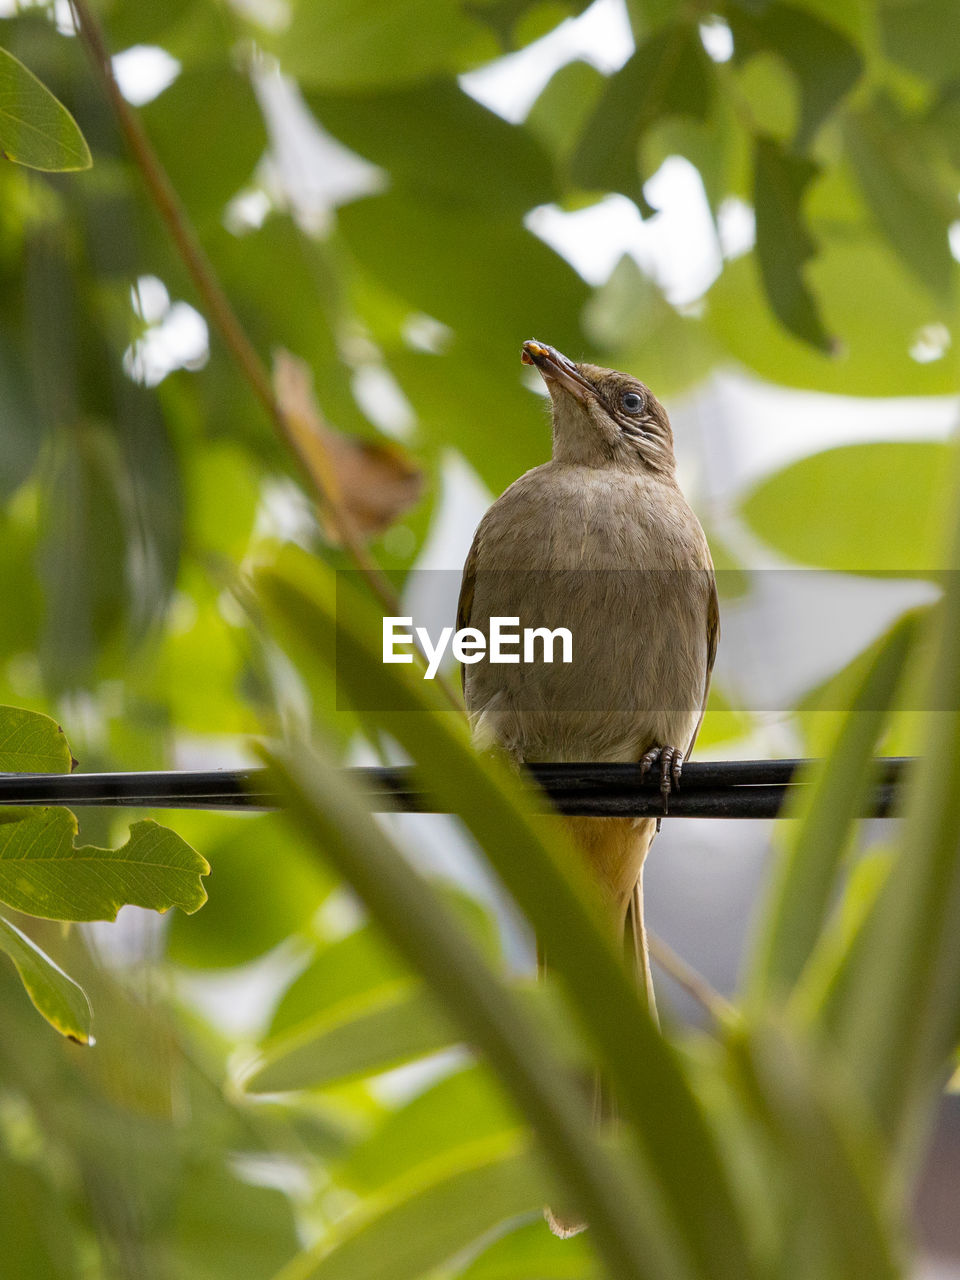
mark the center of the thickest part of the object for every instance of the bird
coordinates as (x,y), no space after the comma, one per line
(599,540)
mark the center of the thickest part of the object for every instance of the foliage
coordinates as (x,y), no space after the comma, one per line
(142,483)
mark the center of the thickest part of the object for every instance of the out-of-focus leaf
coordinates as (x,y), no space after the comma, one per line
(226,1227)
(35,129)
(462,1109)
(826,814)
(829,1158)
(263,890)
(43,873)
(39,1237)
(22,434)
(441,146)
(389,42)
(635,327)
(31,742)
(870,302)
(783,242)
(913,33)
(560,113)
(210,134)
(373,483)
(482,276)
(413,918)
(407,1234)
(55,996)
(894,1012)
(357,1037)
(668,75)
(530,1251)
(84,555)
(903,191)
(884,498)
(556,893)
(825,62)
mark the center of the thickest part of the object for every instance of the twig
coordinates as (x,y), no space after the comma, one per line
(694,983)
(219,308)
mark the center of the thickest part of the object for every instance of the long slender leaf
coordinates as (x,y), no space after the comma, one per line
(827,814)
(337,824)
(896,1012)
(546,877)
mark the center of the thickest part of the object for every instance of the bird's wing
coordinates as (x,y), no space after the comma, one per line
(713,638)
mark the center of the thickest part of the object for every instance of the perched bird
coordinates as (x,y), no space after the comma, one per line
(601,541)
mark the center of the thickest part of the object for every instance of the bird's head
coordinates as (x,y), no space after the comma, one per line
(602,417)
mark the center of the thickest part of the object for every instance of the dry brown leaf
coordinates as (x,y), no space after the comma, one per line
(372,483)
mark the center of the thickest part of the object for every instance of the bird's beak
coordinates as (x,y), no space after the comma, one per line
(555,367)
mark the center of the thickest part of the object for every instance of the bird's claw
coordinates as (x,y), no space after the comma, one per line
(671,766)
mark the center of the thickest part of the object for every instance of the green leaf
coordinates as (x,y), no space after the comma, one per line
(209,132)
(336,823)
(830,1161)
(258,863)
(825,63)
(35,129)
(885,499)
(914,33)
(826,813)
(551,886)
(43,873)
(55,995)
(904,191)
(343,45)
(896,1010)
(441,146)
(783,243)
(669,75)
(404,1236)
(31,742)
(357,1037)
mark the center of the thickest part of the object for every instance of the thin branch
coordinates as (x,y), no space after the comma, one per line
(694,983)
(208,285)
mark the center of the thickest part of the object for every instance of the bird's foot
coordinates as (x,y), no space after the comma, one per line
(670,761)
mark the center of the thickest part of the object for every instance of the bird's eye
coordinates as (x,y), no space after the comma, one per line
(630,402)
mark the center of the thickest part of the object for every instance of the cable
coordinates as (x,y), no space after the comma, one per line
(709,789)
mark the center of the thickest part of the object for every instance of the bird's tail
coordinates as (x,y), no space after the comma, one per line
(633,934)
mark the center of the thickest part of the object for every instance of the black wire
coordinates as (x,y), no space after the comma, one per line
(709,789)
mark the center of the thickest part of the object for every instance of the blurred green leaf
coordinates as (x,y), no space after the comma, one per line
(39,1238)
(35,129)
(894,1013)
(55,996)
(559,115)
(22,433)
(360,1036)
(825,62)
(441,146)
(406,1234)
(825,817)
(43,873)
(413,918)
(260,877)
(388,42)
(885,499)
(905,193)
(783,242)
(209,132)
(31,742)
(912,33)
(668,75)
